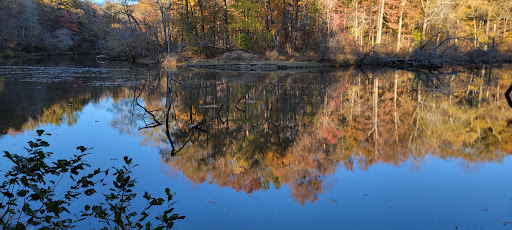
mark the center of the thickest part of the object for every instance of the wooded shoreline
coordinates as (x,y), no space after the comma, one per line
(396,33)
(264,64)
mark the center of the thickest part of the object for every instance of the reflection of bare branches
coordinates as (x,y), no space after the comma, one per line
(184,85)
(195,88)
(364,74)
(169,104)
(197,126)
(152,125)
(169,115)
(238,101)
(218,114)
(167,133)
(156,123)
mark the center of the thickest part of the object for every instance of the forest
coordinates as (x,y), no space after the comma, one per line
(317,29)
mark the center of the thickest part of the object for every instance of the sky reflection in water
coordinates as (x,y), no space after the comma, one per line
(286,150)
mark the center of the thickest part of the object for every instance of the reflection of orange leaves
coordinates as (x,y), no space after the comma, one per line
(331,134)
(343,130)
(13,133)
(306,189)
(276,161)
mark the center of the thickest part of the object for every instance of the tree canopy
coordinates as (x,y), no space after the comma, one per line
(141,28)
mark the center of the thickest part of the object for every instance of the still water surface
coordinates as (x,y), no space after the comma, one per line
(345,149)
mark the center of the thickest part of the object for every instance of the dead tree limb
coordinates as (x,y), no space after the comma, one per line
(238,101)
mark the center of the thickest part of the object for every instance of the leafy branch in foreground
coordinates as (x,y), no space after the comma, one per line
(30,194)
(116,210)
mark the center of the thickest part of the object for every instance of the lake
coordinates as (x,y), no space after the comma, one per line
(318,149)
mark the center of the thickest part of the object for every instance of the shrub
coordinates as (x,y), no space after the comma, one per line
(243,41)
(7,54)
(31,195)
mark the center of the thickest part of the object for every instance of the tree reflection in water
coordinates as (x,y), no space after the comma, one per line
(282,131)
(252,131)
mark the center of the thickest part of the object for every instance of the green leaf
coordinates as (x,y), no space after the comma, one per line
(131,183)
(87,207)
(24,180)
(8,194)
(169,194)
(19,226)
(168,211)
(157,202)
(81,148)
(44,144)
(89,192)
(22,193)
(9,156)
(127,160)
(147,196)
(40,132)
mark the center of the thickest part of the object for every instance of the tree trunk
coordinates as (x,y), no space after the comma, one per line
(295,25)
(187,19)
(425,21)
(399,35)
(395,99)
(457,34)
(356,22)
(424,28)
(475,41)
(498,90)
(381,20)
(214,28)
(474,31)
(164,12)
(487,27)
(226,30)
(438,34)
(169,34)
(201,12)
(277,41)
(505,29)
(284,23)
(375,114)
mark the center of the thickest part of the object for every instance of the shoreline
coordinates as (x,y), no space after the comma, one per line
(263,64)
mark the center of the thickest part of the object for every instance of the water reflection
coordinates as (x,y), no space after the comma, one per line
(250,131)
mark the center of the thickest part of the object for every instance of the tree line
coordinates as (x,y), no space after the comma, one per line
(129,28)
